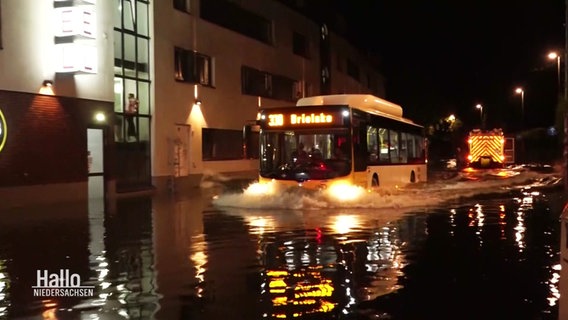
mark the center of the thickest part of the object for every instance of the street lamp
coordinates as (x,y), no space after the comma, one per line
(480,107)
(555,56)
(522,93)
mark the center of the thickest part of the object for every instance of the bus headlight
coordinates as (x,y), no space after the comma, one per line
(345,191)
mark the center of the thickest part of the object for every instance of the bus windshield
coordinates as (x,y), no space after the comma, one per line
(305,155)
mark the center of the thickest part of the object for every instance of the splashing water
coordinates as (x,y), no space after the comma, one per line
(463,184)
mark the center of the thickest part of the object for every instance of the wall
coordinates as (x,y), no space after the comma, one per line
(46,141)
(224,106)
(28,54)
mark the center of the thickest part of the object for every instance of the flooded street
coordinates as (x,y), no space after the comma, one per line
(469,247)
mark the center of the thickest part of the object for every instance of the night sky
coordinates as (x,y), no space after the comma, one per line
(444,57)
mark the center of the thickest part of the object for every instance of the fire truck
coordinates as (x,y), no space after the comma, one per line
(486,148)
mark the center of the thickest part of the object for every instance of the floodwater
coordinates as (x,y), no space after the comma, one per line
(479,245)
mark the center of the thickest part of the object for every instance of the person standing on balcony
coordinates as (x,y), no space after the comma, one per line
(130,112)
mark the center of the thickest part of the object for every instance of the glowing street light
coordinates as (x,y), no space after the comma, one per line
(522,93)
(480,107)
(555,56)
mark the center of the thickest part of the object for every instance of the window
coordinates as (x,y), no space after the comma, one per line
(222,144)
(383,140)
(302,89)
(372,144)
(132,133)
(131,56)
(183,5)
(404,147)
(259,83)
(394,147)
(229,15)
(300,45)
(339,62)
(192,67)
(129,15)
(279,151)
(352,70)
(255,82)
(283,88)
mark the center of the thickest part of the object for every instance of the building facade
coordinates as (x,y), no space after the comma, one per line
(134,95)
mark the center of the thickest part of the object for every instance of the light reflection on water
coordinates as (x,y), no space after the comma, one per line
(180,258)
(4,290)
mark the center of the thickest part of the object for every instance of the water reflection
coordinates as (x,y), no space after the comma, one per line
(4,289)
(181,258)
(500,252)
(322,263)
(122,262)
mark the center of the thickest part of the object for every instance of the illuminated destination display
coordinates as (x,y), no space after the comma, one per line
(300,119)
(3,131)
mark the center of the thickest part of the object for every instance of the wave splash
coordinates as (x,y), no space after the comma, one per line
(459,185)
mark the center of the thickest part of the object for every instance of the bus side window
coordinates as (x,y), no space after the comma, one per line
(383,146)
(393,146)
(403,147)
(372,145)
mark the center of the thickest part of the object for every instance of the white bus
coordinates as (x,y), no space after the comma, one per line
(350,139)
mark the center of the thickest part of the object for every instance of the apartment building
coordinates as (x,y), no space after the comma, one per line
(112,97)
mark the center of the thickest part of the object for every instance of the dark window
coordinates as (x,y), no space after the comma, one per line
(255,82)
(192,67)
(222,144)
(183,5)
(339,63)
(233,17)
(251,141)
(300,45)
(259,83)
(352,70)
(130,65)
(283,88)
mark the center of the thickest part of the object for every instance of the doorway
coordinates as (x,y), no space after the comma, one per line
(95,158)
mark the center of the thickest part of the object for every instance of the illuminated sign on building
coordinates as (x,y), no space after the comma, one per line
(75,21)
(75,35)
(3,131)
(76,57)
(299,119)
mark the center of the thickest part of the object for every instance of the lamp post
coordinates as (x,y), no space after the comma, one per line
(522,93)
(480,108)
(555,56)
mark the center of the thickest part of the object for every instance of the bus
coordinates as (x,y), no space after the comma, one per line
(345,139)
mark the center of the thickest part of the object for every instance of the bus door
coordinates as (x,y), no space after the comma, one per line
(360,152)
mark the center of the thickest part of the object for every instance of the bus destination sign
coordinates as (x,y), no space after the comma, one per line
(276,120)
